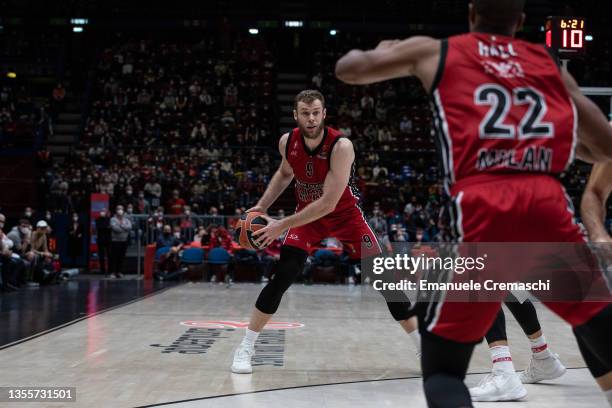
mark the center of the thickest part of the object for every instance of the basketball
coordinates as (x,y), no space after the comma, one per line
(246,226)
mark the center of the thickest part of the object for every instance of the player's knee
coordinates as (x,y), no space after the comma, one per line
(289,266)
(446,391)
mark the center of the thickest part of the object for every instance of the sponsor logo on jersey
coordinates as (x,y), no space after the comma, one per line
(294,237)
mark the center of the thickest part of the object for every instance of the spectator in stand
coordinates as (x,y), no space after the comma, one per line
(40,241)
(43,258)
(59,93)
(128,199)
(203,236)
(378,223)
(9,276)
(21,235)
(75,240)
(317,80)
(220,237)
(143,206)
(121,227)
(103,240)
(154,192)
(176,205)
(405,125)
(28,214)
(213,216)
(187,223)
(170,262)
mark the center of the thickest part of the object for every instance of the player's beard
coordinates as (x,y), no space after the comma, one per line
(308,134)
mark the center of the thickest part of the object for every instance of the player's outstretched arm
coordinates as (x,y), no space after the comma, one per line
(280,181)
(417,56)
(594,133)
(593,204)
(336,181)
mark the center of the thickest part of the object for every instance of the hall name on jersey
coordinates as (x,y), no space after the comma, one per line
(496,50)
(534,158)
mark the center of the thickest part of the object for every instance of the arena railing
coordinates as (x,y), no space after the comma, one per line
(147,228)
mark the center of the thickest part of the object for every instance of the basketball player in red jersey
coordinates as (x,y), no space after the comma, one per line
(321,161)
(508,120)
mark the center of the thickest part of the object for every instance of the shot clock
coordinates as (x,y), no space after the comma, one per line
(566,36)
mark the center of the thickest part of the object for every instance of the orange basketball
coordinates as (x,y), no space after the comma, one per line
(246,226)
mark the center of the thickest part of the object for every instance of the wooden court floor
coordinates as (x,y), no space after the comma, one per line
(330,346)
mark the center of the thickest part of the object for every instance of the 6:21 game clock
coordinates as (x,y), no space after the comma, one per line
(566,36)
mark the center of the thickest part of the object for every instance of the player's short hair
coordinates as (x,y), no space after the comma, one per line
(309,96)
(499,14)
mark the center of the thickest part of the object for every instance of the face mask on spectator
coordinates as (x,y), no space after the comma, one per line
(130,210)
(103,214)
(1,224)
(23,230)
(120,212)
(129,192)
(177,234)
(187,212)
(75,218)
(28,213)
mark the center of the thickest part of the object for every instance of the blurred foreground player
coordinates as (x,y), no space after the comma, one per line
(593,204)
(321,161)
(507,121)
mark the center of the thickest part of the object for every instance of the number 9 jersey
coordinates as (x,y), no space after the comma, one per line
(500,106)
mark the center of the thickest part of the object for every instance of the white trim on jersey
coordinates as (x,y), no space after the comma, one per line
(570,209)
(447,148)
(572,155)
(459,217)
(438,305)
(366,221)
(459,226)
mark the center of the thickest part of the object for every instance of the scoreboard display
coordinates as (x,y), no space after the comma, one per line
(565,36)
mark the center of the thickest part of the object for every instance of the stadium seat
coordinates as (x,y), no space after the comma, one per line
(192,256)
(161,251)
(218,261)
(218,256)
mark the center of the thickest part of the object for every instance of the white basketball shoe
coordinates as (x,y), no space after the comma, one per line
(499,386)
(542,369)
(242,359)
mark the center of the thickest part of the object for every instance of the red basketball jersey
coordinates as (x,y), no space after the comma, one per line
(500,106)
(310,167)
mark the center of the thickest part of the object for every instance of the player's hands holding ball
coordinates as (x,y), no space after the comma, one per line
(257,209)
(256,230)
(266,235)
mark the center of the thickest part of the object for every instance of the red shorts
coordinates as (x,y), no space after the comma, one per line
(509,208)
(349,227)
